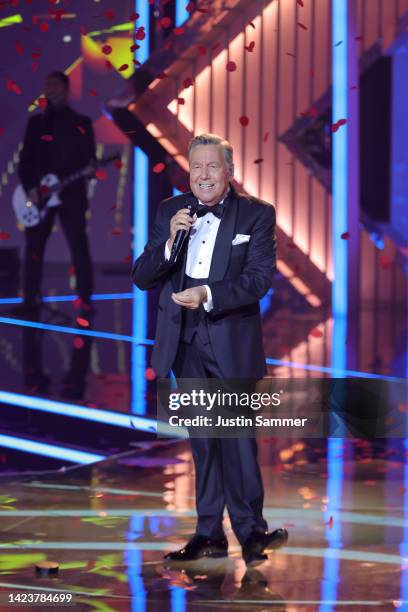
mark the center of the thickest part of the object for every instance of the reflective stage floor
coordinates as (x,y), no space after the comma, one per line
(84,481)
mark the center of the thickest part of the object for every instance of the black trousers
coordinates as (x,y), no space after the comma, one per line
(227,470)
(73,224)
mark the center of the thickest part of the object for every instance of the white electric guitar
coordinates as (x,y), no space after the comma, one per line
(29,213)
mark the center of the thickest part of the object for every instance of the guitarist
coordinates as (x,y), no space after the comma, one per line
(58,141)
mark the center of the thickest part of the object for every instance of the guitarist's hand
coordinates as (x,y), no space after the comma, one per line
(33,195)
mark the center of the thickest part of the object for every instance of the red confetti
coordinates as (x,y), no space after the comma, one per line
(81,129)
(311,112)
(127,259)
(82,322)
(244,120)
(330,522)
(101,174)
(316,333)
(179,31)
(159,167)
(345,235)
(134,47)
(188,83)
(266,136)
(202,50)
(251,23)
(250,47)
(150,374)
(123,67)
(92,92)
(140,33)
(19,48)
(302,25)
(181,101)
(35,55)
(190,7)
(108,65)
(12,86)
(109,14)
(385,262)
(77,303)
(47,137)
(134,16)
(58,13)
(114,207)
(338,124)
(83,30)
(42,103)
(291,245)
(161,75)
(300,2)
(106,49)
(44,189)
(290,54)
(4,236)
(116,231)
(358,38)
(78,343)
(259,160)
(118,164)
(165,22)
(231,66)
(136,62)
(71,271)
(44,26)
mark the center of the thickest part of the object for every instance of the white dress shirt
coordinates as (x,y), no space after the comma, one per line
(201,243)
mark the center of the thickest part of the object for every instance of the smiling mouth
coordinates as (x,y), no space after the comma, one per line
(206,186)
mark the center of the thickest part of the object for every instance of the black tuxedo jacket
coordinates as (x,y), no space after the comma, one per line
(239,276)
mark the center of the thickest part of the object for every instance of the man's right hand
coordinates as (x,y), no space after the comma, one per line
(180,221)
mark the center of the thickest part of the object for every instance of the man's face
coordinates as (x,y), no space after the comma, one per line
(55,91)
(209,174)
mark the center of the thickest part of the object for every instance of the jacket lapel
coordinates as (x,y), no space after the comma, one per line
(223,242)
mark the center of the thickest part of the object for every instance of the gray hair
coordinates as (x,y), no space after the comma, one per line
(213,139)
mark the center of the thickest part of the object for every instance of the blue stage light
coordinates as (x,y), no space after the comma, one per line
(49,450)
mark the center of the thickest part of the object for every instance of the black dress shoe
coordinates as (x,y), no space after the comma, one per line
(198,547)
(259,543)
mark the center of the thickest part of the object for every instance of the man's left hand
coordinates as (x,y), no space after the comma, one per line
(190,298)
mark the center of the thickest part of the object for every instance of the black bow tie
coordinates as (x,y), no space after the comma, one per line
(217,210)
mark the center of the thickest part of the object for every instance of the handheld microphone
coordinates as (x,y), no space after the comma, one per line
(181,235)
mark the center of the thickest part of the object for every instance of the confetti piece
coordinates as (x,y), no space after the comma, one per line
(385,262)
(92,93)
(179,31)
(159,167)
(190,7)
(106,49)
(116,231)
(118,164)
(231,66)
(345,235)
(77,303)
(108,65)
(161,76)
(338,124)
(181,101)
(82,322)
(81,129)
(244,120)
(302,25)
(187,83)
(71,271)
(150,374)
(316,333)
(101,174)
(134,47)
(358,38)
(42,103)
(134,16)
(35,55)
(310,112)
(201,50)
(250,47)
(259,160)
(83,30)
(109,14)
(140,33)
(19,47)
(300,3)
(123,67)
(44,26)
(47,138)
(251,23)
(290,54)
(4,236)
(165,22)
(330,522)
(78,343)
(127,259)
(12,86)
(266,136)
(339,43)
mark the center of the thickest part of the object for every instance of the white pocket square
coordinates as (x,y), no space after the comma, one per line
(240,238)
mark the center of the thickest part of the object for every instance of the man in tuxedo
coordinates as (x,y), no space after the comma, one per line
(209,326)
(58,141)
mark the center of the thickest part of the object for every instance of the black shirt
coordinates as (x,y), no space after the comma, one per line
(68,146)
